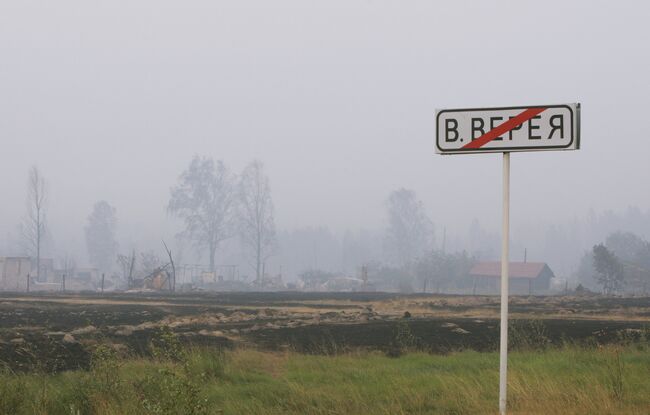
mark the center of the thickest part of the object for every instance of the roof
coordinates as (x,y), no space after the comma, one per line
(529,270)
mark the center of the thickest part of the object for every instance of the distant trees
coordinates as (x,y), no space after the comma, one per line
(410,231)
(443,271)
(609,270)
(634,253)
(431,268)
(33,227)
(100,236)
(257,226)
(626,245)
(585,274)
(641,266)
(205,199)
(432,271)
(216,205)
(622,261)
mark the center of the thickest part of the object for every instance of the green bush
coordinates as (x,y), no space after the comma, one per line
(105,367)
(403,340)
(165,345)
(168,392)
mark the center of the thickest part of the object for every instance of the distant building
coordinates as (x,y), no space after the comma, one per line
(13,273)
(525,278)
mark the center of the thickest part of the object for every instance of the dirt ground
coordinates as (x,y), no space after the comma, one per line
(56,331)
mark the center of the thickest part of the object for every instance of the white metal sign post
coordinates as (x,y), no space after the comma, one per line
(505,259)
(505,130)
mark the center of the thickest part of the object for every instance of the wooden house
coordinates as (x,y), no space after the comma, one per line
(525,278)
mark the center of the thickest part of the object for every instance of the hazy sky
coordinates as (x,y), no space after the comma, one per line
(112,98)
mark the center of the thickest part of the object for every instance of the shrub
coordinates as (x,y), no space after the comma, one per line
(165,345)
(167,392)
(105,366)
(403,340)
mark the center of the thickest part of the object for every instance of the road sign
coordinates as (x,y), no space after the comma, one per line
(508,129)
(504,130)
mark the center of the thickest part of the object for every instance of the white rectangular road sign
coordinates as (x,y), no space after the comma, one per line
(504,130)
(508,129)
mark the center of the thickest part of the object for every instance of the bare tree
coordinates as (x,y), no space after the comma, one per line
(257,225)
(172,280)
(204,199)
(33,227)
(127,263)
(100,236)
(410,231)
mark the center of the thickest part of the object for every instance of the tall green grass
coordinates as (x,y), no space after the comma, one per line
(567,380)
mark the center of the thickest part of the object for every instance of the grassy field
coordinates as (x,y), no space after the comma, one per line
(566,380)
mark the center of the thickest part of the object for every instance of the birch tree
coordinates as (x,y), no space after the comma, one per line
(33,227)
(205,199)
(257,226)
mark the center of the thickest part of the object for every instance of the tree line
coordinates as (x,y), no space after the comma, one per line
(216,205)
(411,259)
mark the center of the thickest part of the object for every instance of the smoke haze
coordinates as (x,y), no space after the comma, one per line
(112,100)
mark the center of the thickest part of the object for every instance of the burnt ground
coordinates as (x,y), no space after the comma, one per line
(58,331)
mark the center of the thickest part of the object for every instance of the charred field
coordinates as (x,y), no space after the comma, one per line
(57,332)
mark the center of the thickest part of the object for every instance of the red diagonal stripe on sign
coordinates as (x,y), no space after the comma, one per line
(503,128)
